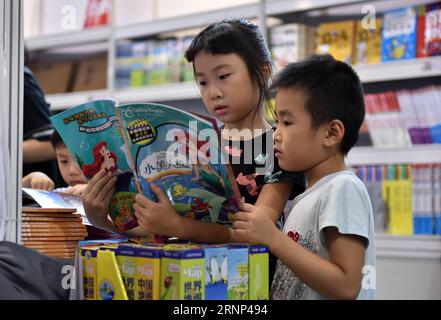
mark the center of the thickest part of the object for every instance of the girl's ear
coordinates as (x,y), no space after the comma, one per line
(267,71)
(334,133)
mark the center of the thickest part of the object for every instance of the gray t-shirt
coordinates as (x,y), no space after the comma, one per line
(337,200)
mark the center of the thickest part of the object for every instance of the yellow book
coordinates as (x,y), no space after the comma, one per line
(110,283)
(89,258)
(337,39)
(140,268)
(406,206)
(148,271)
(367,48)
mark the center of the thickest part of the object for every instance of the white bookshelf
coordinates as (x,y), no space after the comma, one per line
(416,246)
(423,153)
(399,70)
(157,93)
(72,38)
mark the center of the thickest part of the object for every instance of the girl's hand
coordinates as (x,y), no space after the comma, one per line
(38,180)
(76,189)
(252,225)
(96,197)
(157,217)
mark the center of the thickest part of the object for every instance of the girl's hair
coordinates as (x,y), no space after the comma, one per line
(89,170)
(243,38)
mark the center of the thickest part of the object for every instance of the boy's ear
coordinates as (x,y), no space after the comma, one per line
(334,133)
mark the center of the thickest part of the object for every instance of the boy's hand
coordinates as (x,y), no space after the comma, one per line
(76,189)
(252,225)
(157,217)
(38,180)
(97,195)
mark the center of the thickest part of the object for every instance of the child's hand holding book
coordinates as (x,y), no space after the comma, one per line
(96,198)
(158,217)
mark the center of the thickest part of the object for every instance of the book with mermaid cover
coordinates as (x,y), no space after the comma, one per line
(145,143)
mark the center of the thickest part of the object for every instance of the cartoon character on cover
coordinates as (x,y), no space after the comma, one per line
(104,158)
(204,199)
(201,163)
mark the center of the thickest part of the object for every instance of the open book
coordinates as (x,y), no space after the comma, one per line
(54,200)
(147,143)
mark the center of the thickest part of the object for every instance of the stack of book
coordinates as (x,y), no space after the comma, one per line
(54,232)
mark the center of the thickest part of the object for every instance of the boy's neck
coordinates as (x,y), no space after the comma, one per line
(328,166)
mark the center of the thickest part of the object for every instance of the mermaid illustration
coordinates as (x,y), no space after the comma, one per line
(202,167)
(104,158)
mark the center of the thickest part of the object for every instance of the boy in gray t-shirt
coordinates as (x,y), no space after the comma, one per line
(327,247)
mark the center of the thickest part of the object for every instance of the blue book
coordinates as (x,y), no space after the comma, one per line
(399,35)
(145,144)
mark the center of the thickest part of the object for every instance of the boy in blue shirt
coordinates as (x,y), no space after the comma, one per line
(326,249)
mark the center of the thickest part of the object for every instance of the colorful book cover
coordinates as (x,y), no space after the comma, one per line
(182,273)
(238,272)
(421,50)
(97,13)
(151,143)
(368,43)
(399,34)
(258,272)
(337,39)
(433,29)
(109,280)
(216,272)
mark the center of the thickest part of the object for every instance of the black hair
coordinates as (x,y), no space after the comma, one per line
(332,90)
(238,36)
(56,141)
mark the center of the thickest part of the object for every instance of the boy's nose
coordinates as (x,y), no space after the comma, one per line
(215,93)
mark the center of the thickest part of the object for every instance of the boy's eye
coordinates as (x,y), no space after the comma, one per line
(224,76)
(287,123)
(202,83)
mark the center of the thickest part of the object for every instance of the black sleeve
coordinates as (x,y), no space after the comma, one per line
(36,113)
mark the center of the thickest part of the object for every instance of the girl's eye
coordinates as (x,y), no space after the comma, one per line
(202,83)
(287,123)
(224,76)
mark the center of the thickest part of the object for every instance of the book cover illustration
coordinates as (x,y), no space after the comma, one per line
(181,154)
(337,39)
(92,134)
(368,43)
(399,35)
(151,143)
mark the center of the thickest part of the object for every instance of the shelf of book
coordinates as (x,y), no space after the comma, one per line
(63,101)
(156,93)
(177,23)
(274,7)
(418,247)
(180,23)
(399,70)
(425,153)
(72,38)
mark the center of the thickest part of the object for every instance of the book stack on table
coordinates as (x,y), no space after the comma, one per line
(54,232)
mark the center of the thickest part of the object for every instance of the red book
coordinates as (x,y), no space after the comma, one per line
(421,30)
(97,13)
